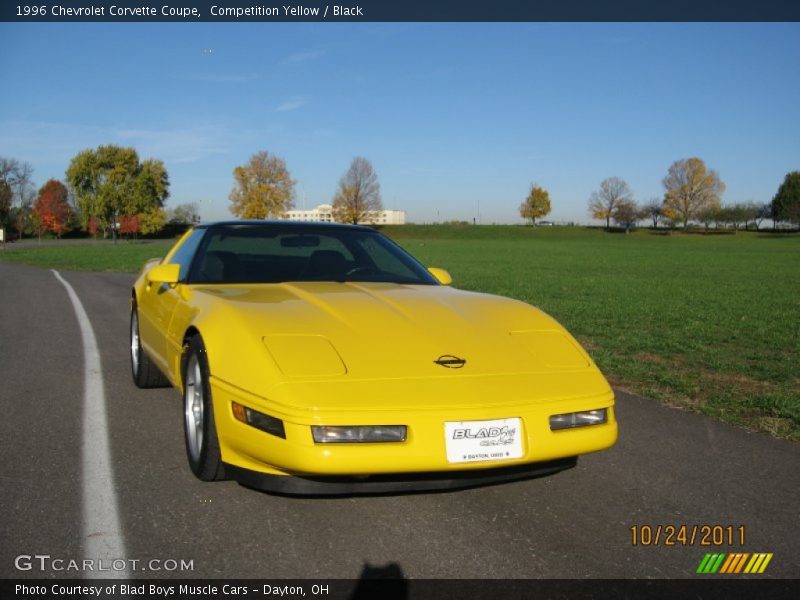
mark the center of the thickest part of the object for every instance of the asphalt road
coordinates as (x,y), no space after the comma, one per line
(669,468)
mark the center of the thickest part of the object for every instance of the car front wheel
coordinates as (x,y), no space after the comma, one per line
(202,445)
(145,373)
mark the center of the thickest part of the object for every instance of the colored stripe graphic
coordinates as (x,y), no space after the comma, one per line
(763,567)
(754,562)
(711,563)
(728,563)
(734,563)
(703,563)
(738,563)
(717,563)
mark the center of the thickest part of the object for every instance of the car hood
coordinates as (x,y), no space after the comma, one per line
(354,333)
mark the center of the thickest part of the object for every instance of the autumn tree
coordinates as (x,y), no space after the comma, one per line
(358,198)
(150,188)
(603,202)
(20,219)
(152,220)
(262,188)
(536,205)
(110,182)
(129,225)
(626,214)
(689,188)
(786,203)
(51,210)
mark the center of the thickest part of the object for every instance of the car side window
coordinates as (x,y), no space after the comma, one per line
(384,260)
(184,254)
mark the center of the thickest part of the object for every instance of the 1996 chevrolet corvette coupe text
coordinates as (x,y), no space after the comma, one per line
(322,358)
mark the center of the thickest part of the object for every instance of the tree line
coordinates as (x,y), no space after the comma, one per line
(110,191)
(692,194)
(263,188)
(106,191)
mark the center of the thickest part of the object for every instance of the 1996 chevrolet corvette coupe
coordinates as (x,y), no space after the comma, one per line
(322,358)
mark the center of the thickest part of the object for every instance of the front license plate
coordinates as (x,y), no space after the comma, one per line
(472,441)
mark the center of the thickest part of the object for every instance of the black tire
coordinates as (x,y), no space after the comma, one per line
(145,373)
(200,431)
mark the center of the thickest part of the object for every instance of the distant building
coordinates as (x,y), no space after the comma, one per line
(324,214)
(390,217)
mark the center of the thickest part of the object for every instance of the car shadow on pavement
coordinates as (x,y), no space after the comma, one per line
(386,582)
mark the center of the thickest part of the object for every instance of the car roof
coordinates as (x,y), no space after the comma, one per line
(285,224)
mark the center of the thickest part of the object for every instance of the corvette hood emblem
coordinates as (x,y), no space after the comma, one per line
(451,362)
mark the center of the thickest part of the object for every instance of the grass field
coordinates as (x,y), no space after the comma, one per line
(86,255)
(708,323)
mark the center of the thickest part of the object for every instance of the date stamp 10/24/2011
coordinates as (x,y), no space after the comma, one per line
(688,535)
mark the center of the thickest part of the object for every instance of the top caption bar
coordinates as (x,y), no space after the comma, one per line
(362,11)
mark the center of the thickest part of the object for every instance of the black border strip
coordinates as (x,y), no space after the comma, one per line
(373,586)
(403,10)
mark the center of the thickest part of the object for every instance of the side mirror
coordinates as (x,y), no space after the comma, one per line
(441,275)
(164,274)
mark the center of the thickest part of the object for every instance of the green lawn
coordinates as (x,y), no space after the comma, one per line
(709,323)
(88,255)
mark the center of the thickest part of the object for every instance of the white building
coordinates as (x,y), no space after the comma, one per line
(389,217)
(324,214)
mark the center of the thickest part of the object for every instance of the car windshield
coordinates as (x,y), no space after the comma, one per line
(276,253)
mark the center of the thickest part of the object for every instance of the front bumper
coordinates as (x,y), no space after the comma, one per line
(421,459)
(393,483)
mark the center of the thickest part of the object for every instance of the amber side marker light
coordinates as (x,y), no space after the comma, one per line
(258,420)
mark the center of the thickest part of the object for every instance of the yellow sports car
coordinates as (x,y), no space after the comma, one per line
(323,358)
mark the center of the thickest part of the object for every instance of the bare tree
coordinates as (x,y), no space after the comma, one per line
(19,177)
(708,214)
(652,209)
(764,212)
(358,198)
(751,214)
(185,214)
(690,187)
(5,201)
(603,202)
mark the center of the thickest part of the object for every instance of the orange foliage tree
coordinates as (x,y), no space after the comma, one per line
(129,224)
(51,209)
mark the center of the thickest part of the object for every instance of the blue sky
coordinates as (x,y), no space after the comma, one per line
(457,119)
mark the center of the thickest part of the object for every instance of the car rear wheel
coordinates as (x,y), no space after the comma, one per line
(202,445)
(145,373)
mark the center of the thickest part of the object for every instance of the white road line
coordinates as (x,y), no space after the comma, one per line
(102,535)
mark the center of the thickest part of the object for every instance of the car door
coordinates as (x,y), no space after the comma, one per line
(159,300)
